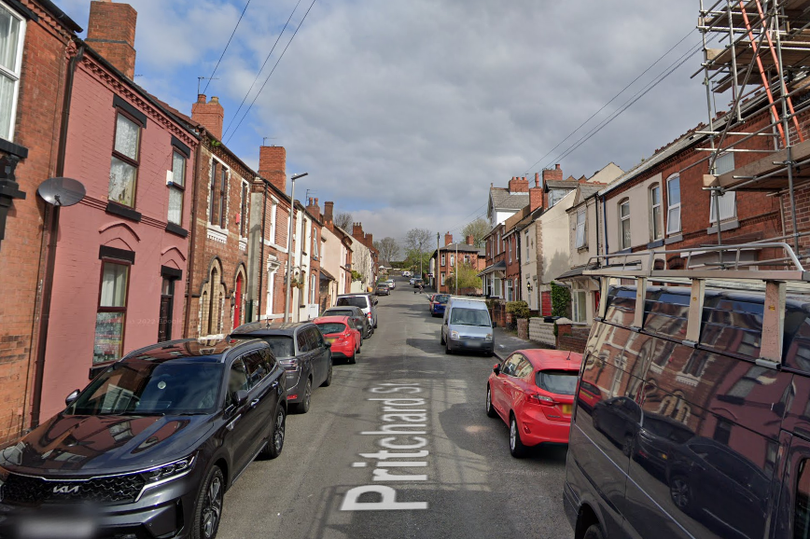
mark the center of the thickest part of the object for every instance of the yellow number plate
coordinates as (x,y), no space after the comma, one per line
(566,408)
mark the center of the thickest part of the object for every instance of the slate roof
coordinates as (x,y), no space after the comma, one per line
(560,184)
(502,199)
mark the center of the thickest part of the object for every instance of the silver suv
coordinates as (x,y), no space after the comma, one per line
(366,302)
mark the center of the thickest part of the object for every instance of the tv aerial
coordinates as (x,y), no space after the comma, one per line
(61,191)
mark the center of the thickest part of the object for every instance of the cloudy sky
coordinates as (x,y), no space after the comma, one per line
(404,113)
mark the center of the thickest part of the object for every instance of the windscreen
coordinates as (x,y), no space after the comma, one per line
(441,298)
(357,301)
(330,328)
(557,382)
(143,387)
(469,317)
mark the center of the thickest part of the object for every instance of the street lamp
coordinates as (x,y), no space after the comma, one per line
(288,294)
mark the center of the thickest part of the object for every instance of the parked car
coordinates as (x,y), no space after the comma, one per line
(302,350)
(673,438)
(150,446)
(360,318)
(391,283)
(382,290)
(533,393)
(418,282)
(366,302)
(406,273)
(467,326)
(438,303)
(343,335)
(411,280)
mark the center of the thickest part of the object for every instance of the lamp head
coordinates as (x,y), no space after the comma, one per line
(296,176)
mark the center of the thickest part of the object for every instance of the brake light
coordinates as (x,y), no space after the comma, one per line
(368,316)
(543,399)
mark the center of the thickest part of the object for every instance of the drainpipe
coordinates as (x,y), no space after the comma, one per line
(191,242)
(604,216)
(52,224)
(261,256)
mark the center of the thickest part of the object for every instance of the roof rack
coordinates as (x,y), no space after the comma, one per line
(727,267)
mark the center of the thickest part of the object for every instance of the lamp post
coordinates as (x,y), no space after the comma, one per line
(288,294)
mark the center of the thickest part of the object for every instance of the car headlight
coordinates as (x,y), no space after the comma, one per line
(489,336)
(454,335)
(169,472)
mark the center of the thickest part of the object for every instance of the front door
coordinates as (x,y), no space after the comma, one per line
(237,303)
(166,304)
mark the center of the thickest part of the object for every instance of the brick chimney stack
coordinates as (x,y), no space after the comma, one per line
(448,239)
(536,194)
(313,208)
(273,165)
(370,241)
(470,240)
(328,209)
(111,33)
(357,232)
(518,185)
(553,174)
(210,115)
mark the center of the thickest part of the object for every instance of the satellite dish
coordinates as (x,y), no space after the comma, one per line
(61,191)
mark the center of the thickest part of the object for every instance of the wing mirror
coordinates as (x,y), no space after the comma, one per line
(70,399)
(327,344)
(497,369)
(240,397)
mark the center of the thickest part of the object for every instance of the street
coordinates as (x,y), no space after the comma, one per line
(455,480)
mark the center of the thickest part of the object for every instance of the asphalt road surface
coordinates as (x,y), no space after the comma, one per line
(399,446)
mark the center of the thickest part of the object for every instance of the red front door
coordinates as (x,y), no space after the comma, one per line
(237,305)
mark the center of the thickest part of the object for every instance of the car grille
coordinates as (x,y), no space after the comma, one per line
(26,490)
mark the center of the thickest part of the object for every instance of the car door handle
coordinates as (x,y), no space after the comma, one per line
(274,385)
(254,402)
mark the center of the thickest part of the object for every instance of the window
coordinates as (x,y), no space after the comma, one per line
(176,188)
(312,290)
(443,261)
(243,210)
(674,204)
(217,191)
(508,290)
(273,223)
(509,248)
(624,224)
(124,167)
(655,212)
(580,229)
(111,313)
(579,307)
(443,278)
(452,260)
(526,243)
(12,37)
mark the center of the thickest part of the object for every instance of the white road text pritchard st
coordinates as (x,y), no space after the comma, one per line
(402,454)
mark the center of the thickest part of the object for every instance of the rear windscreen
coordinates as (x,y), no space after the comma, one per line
(281,345)
(353,302)
(557,382)
(329,328)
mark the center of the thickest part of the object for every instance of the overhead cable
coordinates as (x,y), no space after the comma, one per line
(226,47)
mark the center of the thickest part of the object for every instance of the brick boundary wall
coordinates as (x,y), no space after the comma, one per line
(572,338)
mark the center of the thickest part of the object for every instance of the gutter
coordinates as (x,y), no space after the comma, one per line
(52,223)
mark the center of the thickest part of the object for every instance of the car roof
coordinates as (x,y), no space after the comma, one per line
(331,320)
(202,350)
(468,302)
(262,329)
(552,359)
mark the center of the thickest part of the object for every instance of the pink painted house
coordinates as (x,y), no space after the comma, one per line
(121,259)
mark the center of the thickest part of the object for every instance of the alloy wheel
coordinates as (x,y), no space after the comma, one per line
(278,433)
(212,508)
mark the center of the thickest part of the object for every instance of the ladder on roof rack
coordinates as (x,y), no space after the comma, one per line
(729,266)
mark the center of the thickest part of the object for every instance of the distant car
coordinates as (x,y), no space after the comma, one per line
(302,350)
(418,282)
(150,446)
(382,290)
(411,280)
(437,304)
(391,283)
(343,334)
(361,320)
(533,392)
(406,273)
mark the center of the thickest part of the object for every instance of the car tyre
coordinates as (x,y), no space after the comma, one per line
(516,447)
(490,410)
(593,532)
(447,348)
(681,493)
(352,360)
(276,442)
(208,505)
(328,381)
(441,338)
(303,406)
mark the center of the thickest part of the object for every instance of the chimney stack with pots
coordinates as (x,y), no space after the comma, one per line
(210,115)
(448,239)
(471,240)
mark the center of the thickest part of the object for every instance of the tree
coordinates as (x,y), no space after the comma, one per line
(344,220)
(477,229)
(416,240)
(388,248)
(467,277)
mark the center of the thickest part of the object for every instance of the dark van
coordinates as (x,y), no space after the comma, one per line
(692,415)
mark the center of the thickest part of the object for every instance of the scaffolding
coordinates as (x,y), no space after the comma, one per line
(759,51)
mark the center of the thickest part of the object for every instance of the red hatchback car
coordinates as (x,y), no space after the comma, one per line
(343,334)
(533,392)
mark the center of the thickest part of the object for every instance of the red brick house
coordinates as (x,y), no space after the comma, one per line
(41,42)
(453,254)
(122,252)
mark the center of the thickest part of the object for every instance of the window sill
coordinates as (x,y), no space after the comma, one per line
(673,239)
(176,230)
(654,244)
(122,211)
(217,234)
(731,224)
(582,248)
(13,149)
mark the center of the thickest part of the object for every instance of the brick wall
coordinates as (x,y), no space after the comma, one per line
(36,128)
(111,32)
(572,338)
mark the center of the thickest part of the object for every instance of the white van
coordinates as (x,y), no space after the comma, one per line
(467,325)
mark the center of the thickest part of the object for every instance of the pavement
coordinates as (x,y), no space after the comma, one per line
(507,342)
